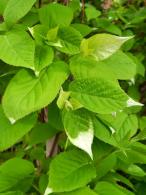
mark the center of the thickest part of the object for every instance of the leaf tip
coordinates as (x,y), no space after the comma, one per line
(12,120)
(48,191)
(131,102)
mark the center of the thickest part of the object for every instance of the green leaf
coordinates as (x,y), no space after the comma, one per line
(10,134)
(73,168)
(79,129)
(26,93)
(98,95)
(70,40)
(3,4)
(12,193)
(122,66)
(14,171)
(101,46)
(16,9)
(87,67)
(43,57)
(106,165)
(41,133)
(81,191)
(82,28)
(106,188)
(91,12)
(17,48)
(51,15)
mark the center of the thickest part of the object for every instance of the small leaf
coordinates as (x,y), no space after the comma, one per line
(79,129)
(92,12)
(101,46)
(98,95)
(26,93)
(70,40)
(73,168)
(16,9)
(17,48)
(51,15)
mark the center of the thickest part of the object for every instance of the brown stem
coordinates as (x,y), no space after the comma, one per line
(83,11)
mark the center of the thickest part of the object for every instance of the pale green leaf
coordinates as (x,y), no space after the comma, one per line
(79,129)
(11,133)
(13,172)
(17,48)
(26,93)
(43,57)
(101,46)
(70,170)
(16,9)
(55,14)
(98,95)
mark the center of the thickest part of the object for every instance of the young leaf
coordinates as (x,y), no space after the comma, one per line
(101,46)
(17,48)
(11,133)
(55,14)
(70,40)
(14,172)
(43,57)
(79,129)
(16,9)
(98,95)
(73,168)
(26,93)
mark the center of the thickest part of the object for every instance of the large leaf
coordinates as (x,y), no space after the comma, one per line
(13,172)
(11,133)
(122,66)
(17,48)
(16,9)
(98,95)
(79,129)
(43,57)
(70,170)
(26,93)
(88,67)
(54,14)
(101,46)
(81,191)
(70,40)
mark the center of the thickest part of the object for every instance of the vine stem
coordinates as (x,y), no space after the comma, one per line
(40,3)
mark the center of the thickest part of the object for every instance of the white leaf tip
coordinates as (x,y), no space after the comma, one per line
(131,102)
(12,120)
(48,191)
